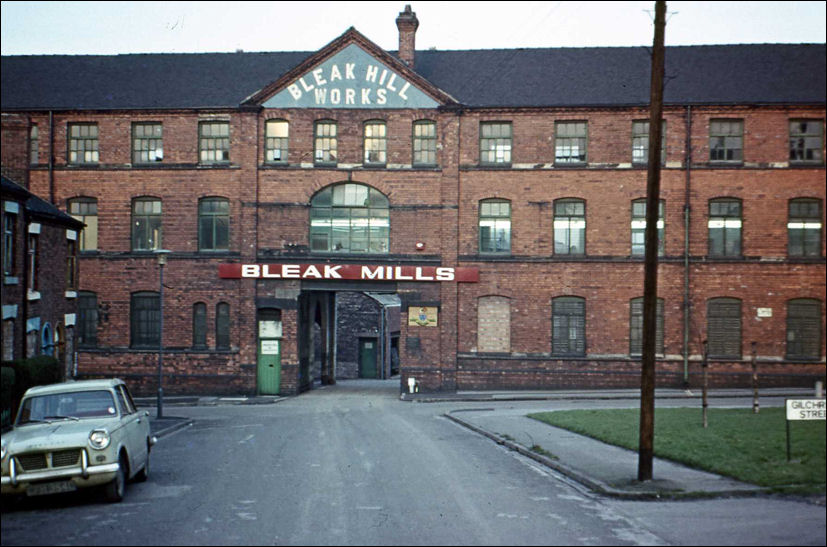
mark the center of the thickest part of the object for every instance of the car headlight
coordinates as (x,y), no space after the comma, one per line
(99,439)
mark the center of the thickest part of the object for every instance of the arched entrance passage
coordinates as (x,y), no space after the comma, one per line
(347,332)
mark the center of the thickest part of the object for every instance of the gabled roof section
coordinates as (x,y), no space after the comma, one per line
(351,72)
(38,207)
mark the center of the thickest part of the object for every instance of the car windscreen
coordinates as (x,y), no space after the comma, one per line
(67,406)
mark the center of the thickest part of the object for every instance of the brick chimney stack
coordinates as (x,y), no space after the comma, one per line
(407,24)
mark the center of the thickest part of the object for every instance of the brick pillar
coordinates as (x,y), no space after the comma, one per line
(407,24)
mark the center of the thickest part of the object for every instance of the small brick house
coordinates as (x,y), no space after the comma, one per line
(487,205)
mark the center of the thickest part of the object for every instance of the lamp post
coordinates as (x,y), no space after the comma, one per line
(162,261)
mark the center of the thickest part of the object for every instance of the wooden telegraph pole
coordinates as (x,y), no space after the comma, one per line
(650,284)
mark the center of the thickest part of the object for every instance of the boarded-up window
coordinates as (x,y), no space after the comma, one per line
(636,327)
(804,329)
(568,326)
(494,324)
(723,320)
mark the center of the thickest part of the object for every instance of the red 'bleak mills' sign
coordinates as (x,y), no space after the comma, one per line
(349,272)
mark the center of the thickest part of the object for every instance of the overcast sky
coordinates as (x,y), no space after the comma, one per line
(183,27)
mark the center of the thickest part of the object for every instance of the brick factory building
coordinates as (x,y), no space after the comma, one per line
(471,219)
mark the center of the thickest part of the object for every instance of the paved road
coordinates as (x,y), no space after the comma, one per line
(353,465)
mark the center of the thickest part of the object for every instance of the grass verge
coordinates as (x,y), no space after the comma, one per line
(739,444)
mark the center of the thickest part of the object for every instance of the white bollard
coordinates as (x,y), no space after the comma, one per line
(411,384)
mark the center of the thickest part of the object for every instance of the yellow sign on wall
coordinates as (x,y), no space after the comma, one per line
(422,316)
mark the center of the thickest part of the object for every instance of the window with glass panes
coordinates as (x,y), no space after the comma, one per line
(375,143)
(723,330)
(424,143)
(806,141)
(640,142)
(724,227)
(222,326)
(276,138)
(83,143)
(804,329)
(804,227)
(636,327)
(569,227)
(199,325)
(214,224)
(325,142)
(146,224)
(568,325)
(726,140)
(145,319)
(86,211)
(87,321)
(639,227)
(495,143)
(9,243)
(349,218)
(33,281)
(147,142)
(495,226)
(71,264)
(34,142)
(570,142)
(214,142)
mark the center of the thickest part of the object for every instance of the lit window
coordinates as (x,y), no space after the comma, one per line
(349,218)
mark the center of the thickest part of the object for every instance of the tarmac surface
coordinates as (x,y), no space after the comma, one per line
(603,468)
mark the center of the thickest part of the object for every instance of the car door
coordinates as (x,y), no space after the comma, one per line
(136,429)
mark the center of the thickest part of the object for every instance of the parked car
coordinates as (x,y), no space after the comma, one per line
(76,435)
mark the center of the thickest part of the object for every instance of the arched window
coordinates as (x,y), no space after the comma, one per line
(145,320)
(568,326)
(86,211)
(222,326)
(723,330)
(804,227)
(569,227)
(349,218)
(804,329)
(146,224)
(636,327)
(47,344)
(725,225)
(199,325)
(87,320)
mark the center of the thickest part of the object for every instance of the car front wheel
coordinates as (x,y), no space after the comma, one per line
(115,489)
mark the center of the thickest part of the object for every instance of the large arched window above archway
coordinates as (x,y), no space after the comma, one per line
(349,218)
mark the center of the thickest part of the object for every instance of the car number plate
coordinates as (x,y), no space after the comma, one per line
(46,488)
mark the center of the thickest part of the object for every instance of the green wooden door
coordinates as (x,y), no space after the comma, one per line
(367,358)
(268,371)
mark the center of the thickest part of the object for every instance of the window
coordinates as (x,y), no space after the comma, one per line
(349,218)
(568,326)
(71,264)
(493,324)
(569,227)
(83,143)
(214,224)
(375,143)
(199,325)
(724,227)
(222,326)
(723,318)
(276,135)
(804,329)
(639,227)
(9,239)
(145,320)
(87,322)
(146,224)
(636,327)
(495,143)
(86,211)
(424,143)
(570,142)
(325,143)
(147,142)
(33,263)
(804,227)
(495,226)
(214,142)
(47,343)
(640,142)
(806,141)
(726,140)
(34,150)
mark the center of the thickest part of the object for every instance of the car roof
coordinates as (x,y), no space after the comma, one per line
(72,385)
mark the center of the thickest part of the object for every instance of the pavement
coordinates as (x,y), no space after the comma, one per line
(602,468)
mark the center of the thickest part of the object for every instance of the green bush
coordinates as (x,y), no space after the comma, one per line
(7,398)
(20,375)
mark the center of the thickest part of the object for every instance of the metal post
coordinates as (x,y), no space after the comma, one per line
(705,397)
(755,405)
(162,260)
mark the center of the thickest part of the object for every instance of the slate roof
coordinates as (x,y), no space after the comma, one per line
(545,77)
(36,206)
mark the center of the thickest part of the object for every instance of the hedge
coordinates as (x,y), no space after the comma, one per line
(20,375)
